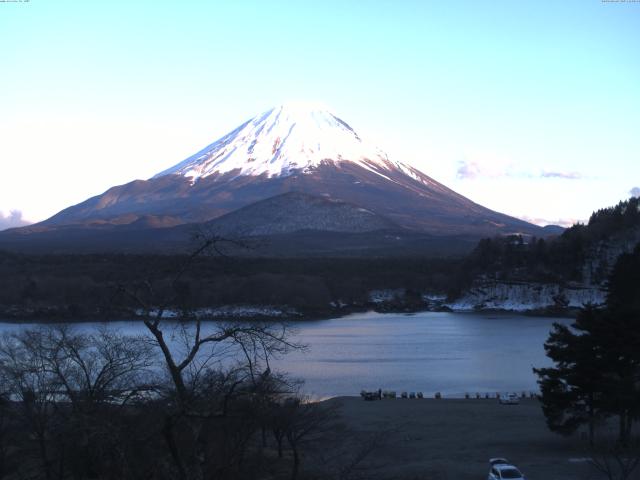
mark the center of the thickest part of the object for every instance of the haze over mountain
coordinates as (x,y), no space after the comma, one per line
(295,147)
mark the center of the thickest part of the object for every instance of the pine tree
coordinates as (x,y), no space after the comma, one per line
(622,339)
(597,360)
(572,391)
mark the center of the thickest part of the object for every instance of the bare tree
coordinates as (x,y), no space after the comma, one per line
(256,342)
(66,385)
(4,429)
(34,388)
(354,467)
(302,422)
(191,350)
(615,460)
(335,451)
(104,367)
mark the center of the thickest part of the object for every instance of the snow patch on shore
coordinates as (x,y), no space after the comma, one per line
(387,295)
(522,297)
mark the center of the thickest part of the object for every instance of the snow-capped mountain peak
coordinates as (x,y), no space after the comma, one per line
(296,148)
(295,136)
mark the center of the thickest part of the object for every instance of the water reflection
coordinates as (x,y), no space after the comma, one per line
(448,352)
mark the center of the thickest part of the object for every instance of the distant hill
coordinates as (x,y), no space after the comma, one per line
(553,229)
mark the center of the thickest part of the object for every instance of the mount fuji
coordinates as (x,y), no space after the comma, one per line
(295,168)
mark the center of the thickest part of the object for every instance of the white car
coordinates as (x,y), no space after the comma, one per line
(501,469)
(510,399)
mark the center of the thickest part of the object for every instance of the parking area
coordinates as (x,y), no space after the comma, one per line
(455,438)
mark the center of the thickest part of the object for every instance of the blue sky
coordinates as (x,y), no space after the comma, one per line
(531,108)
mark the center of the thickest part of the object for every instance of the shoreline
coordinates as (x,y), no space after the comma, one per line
(58,315)
(431,396)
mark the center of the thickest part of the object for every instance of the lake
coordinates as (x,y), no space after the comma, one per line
(452,353)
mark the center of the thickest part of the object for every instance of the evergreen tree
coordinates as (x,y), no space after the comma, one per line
(597,360)
(622,338)
(572,391)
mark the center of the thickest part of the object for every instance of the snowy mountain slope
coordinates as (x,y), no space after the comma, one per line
(280,141)
(297,137)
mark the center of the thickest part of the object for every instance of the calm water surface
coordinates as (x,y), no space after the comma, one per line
(451,353)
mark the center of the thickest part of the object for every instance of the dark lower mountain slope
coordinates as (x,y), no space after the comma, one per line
(294,212)
(416,202)
(180,240)
(288,225)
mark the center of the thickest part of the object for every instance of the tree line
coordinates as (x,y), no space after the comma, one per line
(81,287)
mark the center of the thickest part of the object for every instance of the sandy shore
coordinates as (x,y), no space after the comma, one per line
(454,439)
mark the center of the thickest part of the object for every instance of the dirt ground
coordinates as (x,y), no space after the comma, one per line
(453,439)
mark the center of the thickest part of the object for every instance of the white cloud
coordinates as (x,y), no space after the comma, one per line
(635,192)
(562,175)
(13,219)
(490,165)
(469,170)
(484,164)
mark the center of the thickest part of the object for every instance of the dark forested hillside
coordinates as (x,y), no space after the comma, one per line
(84,286)
(594,246)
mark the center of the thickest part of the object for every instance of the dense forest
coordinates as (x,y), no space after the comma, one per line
(85,286)
(556,260)
(77,287)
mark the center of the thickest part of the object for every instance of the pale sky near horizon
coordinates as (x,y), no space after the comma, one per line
(530,108)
